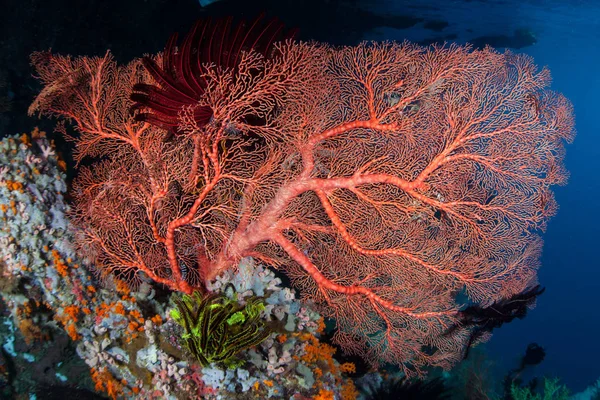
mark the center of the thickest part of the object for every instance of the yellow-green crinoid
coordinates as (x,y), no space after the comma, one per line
(217,328)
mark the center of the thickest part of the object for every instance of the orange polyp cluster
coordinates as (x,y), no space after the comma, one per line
(62,165)
(28,328)
(282,338)
(324,395)
(14,186)
(319,356)
(103,310)
(348,368)
(268,383)
(30,331)
(136,320)
(349,391)
(12,205)
(105,382)
(69,318)
(24,138)
(123,288)
(72,311)
(156,320)
(61,265)
(25,309)
(72,331)
(318,352)
(135,325)
(320,326)
(119,308)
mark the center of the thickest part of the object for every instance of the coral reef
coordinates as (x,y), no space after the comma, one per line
(128,338)
(290,362)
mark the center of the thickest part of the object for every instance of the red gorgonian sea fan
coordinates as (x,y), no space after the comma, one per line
(394,184)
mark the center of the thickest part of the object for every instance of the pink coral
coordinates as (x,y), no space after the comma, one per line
(384,179)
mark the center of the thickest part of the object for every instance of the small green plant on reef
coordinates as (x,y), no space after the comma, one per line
(552,391)
(216,328)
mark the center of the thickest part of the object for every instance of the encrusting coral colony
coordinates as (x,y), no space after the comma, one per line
(394,185)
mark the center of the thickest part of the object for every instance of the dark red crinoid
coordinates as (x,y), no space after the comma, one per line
(180,80)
